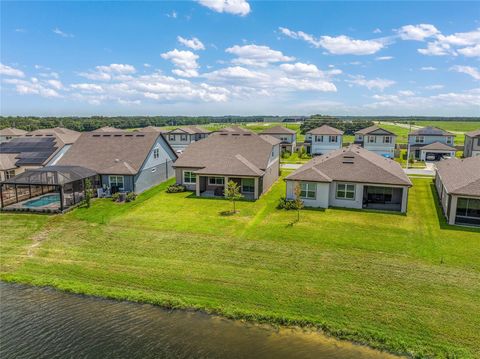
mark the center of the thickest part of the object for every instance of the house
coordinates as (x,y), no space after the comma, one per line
(181,137)
(378,140)
(152,129)
(235,129)
(34,150)
(108,129)
(251,160)
(125,161)
(472,144)
(323,140)
(351,177)
(6,134)
(431,144)
(458,187)
(284,134)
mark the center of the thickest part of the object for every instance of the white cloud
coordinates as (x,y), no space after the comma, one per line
(434,87)
(235,7)
(377,83)
(417,32)
(56,84)
(172,15)
(61,33)
(443,45)
(461,38)
(256,55)
(88,87)
(437,48)
(109,72)
(384,58)
(185,61)
(473,51)
(377,31)
(339,45)
(428,68)
(10,71)
(406,93)
(117,68)
(192,43)
(469,70)
(33,86)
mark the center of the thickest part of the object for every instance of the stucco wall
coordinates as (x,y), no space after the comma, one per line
(179,177)
(270,176)
(153,176)
(357,202)
(322,194)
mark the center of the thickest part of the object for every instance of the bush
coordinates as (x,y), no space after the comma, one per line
(288,204)
(176,188)
(116,197)
(286,154)
(131,196)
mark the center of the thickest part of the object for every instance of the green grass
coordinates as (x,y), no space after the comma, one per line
(409,284)
(294,158)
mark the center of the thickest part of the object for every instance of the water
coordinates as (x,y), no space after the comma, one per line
(44,323)
(43,201)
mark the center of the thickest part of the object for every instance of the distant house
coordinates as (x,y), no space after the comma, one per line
(34,150)
(251,160)
(125,161)
(6,134)
(431,144)
(472,144)
(377,139)
(284,134)
(458,187)
(351,177)
(152,129)
(323,140)
(235,129)
(108,129)
(181,137)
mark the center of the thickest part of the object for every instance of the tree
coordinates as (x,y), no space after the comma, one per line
(232,193)
(88,192)
(298,202)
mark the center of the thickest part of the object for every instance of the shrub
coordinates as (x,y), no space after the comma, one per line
(131,196)
(176,188)
(288,204)
(286,154)
(116,197)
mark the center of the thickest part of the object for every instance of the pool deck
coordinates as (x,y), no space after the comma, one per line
(21,205)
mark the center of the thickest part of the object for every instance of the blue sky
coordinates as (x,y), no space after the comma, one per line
(219,57)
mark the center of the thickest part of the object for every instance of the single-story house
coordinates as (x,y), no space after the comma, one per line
(458,187)
(6,134)
(181,137)
(351,177)
(431,144)
(125,161)
(251,160)
(472,144)
(377,139)
(284,134)
(323,140)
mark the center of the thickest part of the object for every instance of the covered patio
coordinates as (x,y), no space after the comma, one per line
(214,186)
(383,198)
(47,189)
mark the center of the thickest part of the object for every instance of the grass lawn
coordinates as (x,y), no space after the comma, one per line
(294,158)
(409,284)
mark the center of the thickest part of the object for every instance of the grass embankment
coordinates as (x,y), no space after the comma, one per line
(409,284)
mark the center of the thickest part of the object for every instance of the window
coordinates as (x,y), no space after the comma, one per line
(248,185)
(189,177)
(215,181)
(9,174)
(371,139)
(284,139)
(184,137)
(8,138)
(449,140)
(468,207)
(318,138)
(419,139)
(171,137)
(156,153)
(116,181)
(345,191)
(154,169)
(308,190)
(387,139)
(333,138)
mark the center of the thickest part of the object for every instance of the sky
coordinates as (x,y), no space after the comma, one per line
(239,57)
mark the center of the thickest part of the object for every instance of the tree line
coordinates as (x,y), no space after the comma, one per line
(349,127)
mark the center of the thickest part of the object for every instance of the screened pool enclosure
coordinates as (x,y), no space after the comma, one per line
(51,188)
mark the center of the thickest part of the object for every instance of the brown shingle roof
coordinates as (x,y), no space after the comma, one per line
(280,130)
(474,133)
(229,154)
(108,129)
(7,161)
(152,129)
(430,131)
(325,130)
(352,164)
(461,177)
(438,146)
(64,134)
(189,129)
(10,131)
(374,128)
(119,153)
(235,129)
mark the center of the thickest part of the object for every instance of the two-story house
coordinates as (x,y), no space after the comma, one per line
(378,140)
(286,135)
(323,140)
(431,144)
(472,144)
(179,138)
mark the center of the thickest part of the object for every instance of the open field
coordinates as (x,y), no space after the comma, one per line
(409,284)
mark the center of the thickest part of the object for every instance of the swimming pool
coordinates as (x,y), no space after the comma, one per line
(43,201)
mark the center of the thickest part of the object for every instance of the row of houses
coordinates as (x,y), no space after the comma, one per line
(56,163)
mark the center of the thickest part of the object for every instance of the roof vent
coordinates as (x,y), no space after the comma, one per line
(349,162)
(235,134)
(128,135)
(117,135)
(117,160)
(107,135)
(95,135)
(140,135)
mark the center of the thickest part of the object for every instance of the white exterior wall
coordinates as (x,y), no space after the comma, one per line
(325,146)
(322,194)
(346,203)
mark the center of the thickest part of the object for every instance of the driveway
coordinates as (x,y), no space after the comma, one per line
(429,170)
(290,166)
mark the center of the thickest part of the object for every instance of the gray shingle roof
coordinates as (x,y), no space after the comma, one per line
(189,129)
(430,131)
(152,129)
(325,130)
(278,130)
(474,133)
(241,154)
(352,164)
(121,153)
(438,146)
(374,128)
(108,129)
(460,176)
